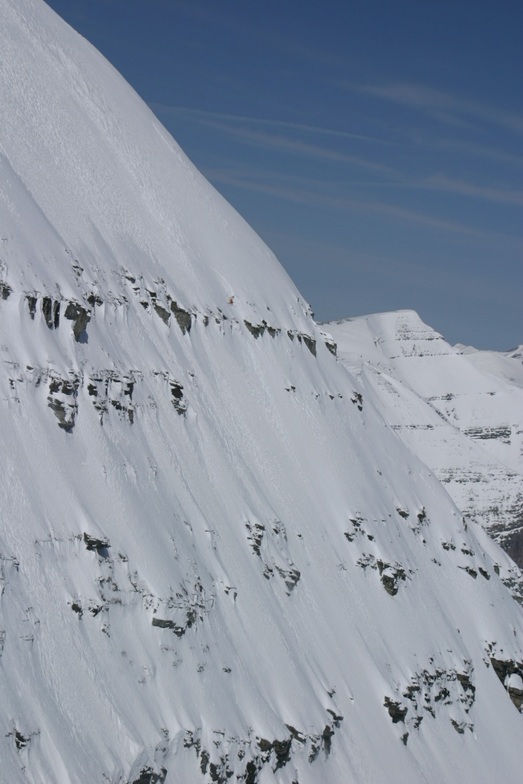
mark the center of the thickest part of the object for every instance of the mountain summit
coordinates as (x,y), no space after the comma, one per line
(218,562)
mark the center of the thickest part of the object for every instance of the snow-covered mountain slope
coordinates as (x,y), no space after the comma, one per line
(212,568)
(506,365)
(460,410)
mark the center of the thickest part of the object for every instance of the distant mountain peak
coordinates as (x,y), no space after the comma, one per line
(459,410)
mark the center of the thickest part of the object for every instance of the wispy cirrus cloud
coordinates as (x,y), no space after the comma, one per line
(271,133)
(324,195)
(281,143)
(230,120)
(307,190)
(473,150)
(371,176)
(441,105)
(463,188)
(281,136)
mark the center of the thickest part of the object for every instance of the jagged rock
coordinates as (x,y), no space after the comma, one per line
(290,577)
(94,299)
(81,318)
(220,773)
(432,691)
(149,776)
(64,408)
(183,317)
(162,312)
(51,312)
(166,624)
(255,330)
(331,345)
(390,577)
(357,399)
(31,303)
(100,545)
(396,711)
(510,673)
(281,749)
(282,752)
(310,343)
(177,397)
(511,537)
(5,290)
(515,689)
(64,412)
(336,717)
(21,741)
(256,533)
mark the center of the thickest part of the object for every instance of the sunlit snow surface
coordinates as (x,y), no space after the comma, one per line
(217,561)
(460,410)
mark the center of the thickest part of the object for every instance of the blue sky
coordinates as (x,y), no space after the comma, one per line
(375,146)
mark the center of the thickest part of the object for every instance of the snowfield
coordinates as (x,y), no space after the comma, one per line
(218,559)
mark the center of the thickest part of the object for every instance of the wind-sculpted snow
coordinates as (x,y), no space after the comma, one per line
(217,560)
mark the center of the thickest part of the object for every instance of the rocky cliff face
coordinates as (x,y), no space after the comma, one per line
(217,560)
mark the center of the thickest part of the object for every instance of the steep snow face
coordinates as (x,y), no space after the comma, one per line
(460,410)
(120,193)
(506,365)
(217,561)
